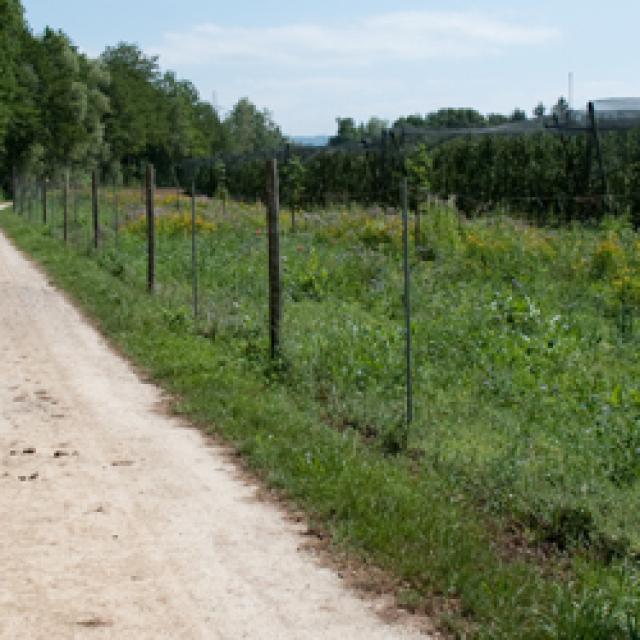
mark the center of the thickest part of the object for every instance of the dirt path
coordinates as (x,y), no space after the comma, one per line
(117,522)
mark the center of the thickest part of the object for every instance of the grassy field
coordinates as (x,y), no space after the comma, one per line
(516,498)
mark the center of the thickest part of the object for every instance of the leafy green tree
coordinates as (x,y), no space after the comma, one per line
(347,132)
(12,36)
(58,119)
(11,28)
(248,129)
(419,167)
(134,118)
(293,186)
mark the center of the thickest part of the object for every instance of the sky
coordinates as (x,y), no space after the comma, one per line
(309,62)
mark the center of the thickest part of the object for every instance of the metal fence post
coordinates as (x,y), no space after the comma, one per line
(407,306)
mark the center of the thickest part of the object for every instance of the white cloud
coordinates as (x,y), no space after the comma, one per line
(398,36)
(307,73)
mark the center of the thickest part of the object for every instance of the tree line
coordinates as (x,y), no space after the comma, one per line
(549,176)
(61,110)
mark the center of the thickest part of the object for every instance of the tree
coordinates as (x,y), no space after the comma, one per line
(293,186)
(11,30)
(463,118)
(12,36)
(134,118)
(59,120)
(248,129)
(347,132)
(561,107)
(539,110)
(419,167)
(374,128)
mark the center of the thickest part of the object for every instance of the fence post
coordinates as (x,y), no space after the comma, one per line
(94,209)
(194,251)
(14,190)
(76,204)
(33,199)
(273,231)
(65,208)
(407,307)
(151,231)
(44,200)
(142,183)
(116,220)
(17,195)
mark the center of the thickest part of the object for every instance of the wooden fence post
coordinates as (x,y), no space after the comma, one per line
(65,208)
(95,209)
(275,282)
(116,215)
(30,198)
(194,251)
(142,183)
(151,231)
(33,198)
(44,200)
(14,190)
(17,196)
(18,201)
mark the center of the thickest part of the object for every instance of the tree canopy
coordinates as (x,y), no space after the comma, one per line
(60,109)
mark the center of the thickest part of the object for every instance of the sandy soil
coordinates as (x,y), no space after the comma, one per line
(118,522)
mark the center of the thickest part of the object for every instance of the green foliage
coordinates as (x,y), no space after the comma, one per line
(60,109)
(544,176)
(349,131)
(419,166)
(447,119)
(154,116)
(293,183)
(11,31)
(248,129)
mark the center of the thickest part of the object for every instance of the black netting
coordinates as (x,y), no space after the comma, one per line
(617,113)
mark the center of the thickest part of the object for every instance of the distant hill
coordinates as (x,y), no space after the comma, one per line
(310,141)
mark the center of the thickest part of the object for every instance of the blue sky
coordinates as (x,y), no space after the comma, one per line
(311,61)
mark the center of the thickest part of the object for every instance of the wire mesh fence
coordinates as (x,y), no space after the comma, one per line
(344,269)
(521,369)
